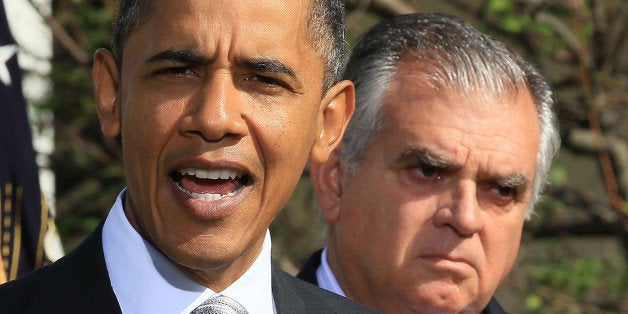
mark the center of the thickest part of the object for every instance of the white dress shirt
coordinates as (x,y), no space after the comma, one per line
(146,281)
(326,278)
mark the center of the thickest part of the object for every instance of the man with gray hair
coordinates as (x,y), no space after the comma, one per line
(443,161)
(218,105)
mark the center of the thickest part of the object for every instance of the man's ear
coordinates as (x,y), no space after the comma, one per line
(338,105)
(326,180)
(106,78)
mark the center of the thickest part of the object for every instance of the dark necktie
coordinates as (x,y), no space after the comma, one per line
(220,305)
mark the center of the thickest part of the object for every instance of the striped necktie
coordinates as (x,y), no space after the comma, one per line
(220,305)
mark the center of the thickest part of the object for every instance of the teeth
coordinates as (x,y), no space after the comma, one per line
(223,174)
(208,197)
(212,174)
(204,196)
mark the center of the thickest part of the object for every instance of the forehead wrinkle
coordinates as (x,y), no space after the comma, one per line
(470,138)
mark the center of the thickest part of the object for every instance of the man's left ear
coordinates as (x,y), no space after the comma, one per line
(338,105)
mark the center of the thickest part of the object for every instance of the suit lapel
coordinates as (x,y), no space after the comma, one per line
(285,297)
(308,272)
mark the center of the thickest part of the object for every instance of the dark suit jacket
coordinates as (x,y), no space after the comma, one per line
(79,283)
(308,273)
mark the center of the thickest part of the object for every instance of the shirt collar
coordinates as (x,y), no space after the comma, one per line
(151,283)
(326,278)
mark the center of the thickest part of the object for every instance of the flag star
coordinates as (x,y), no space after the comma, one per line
(6,52)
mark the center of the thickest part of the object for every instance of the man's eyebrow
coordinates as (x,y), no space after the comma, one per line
(268,65)
(184,56)
(425,156)
(514,181)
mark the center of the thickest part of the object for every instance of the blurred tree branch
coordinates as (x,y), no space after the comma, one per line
(62,36)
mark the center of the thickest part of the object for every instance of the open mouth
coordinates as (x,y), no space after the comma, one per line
(210,185)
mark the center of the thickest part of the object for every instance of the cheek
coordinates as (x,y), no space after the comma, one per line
(512,242)
(147,117)
(502,252)
(285,137)
(377,219)
(283,141)
(147,128)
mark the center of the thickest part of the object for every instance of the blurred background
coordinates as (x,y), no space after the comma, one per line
(574,251)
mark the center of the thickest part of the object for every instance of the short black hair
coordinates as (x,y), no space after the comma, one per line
(326,25)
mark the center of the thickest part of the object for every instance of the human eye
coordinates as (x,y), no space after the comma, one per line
(426,172)
(505,191)
(503,195)
(175,71)
(267,84)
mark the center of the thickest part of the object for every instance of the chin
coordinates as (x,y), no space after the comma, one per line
(204,261)
(444,309)
(442,301)
(202,252)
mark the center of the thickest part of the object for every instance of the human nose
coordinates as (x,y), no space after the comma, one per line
(216,111)
(460,210)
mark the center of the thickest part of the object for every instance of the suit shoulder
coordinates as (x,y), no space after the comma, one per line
(17,295)
(313,298)
(76,283)
(494,307)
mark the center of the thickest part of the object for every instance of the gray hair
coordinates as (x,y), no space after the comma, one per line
(326,26)
(452,56)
